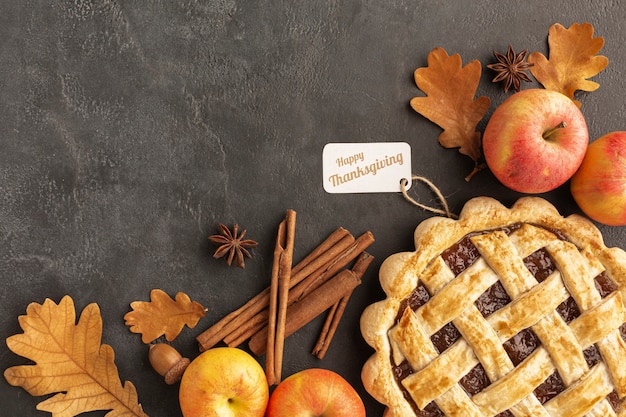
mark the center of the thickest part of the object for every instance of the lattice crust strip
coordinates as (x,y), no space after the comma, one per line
(533,306)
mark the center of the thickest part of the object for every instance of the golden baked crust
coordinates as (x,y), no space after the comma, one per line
(573,243)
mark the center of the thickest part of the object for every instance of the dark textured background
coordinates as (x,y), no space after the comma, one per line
(129,130)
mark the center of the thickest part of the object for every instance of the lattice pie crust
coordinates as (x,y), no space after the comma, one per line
(503,312)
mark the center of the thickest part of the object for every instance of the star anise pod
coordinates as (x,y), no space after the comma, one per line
(232,247)
(511,68)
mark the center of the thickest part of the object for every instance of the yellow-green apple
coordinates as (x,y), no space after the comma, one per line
(315,392)
(535,140)
(599,185)
(224,382)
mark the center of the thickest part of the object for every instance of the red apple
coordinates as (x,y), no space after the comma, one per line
(315,392)
(224,382)
(535,140)
(599,185)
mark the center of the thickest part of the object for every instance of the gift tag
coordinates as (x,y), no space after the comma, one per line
(366,167)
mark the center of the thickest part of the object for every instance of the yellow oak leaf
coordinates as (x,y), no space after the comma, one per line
(69,361)
(450,89)
(573,59)
(163,315)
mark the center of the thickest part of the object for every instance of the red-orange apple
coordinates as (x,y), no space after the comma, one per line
(535,140)
(599,185)
(315,392)
(224,382)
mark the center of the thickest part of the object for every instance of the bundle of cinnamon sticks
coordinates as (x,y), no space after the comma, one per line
(296,295)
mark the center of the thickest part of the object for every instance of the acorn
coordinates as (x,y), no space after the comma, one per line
(167,362)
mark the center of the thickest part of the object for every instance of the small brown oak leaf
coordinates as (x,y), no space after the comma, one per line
(163,315)
(511,68)
(233,246)
(69,362)
(451,102)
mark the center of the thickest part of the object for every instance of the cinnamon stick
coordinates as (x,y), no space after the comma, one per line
(241,334)
(326,328)
(330,327)
(317,252)
(334,244)
(309,307)
(273,301)
(325,258)
(339,262)
(310,283)
(279,288)
(232,321)
(336,311)
(317,268)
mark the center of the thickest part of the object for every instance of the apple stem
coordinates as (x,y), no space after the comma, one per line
(548,133)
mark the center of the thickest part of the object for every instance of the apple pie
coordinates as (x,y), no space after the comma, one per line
(504,312)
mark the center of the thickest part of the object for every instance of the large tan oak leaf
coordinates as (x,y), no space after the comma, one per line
(573,60)
(69,361)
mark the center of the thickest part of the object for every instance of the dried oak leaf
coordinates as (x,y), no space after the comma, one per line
(70,361)
(573,59)
(450,89)
(163,315)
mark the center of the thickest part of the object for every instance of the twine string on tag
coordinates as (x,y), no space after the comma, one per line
(446,211)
